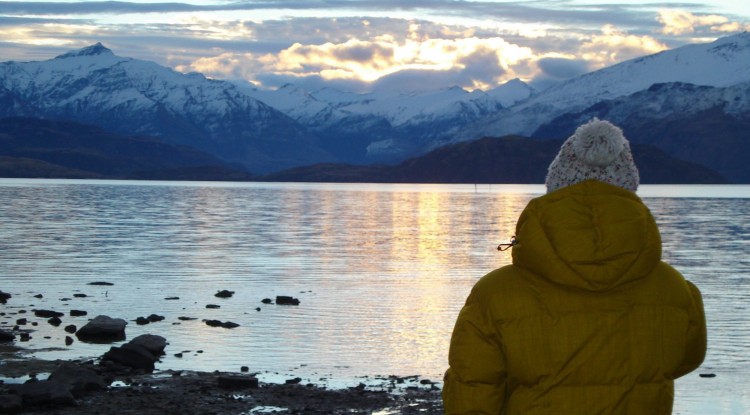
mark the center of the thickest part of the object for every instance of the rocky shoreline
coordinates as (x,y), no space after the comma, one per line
(125,380)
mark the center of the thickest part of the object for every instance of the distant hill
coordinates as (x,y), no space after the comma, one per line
(22,167)
(31,147)
(510,159)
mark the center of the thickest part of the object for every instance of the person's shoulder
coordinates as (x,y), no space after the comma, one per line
(668,284)
(503,275)
(507,293)
(668,272)
(503,280)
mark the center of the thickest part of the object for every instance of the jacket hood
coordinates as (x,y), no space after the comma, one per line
(591,235)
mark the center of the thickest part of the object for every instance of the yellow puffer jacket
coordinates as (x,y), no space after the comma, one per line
(587,319)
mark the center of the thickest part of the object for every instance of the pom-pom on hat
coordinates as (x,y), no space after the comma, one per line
(596,151)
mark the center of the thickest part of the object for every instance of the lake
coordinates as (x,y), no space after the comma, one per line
(381,271)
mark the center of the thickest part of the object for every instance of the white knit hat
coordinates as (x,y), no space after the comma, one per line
(597,150)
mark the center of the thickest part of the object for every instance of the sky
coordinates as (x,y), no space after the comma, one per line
(362,45)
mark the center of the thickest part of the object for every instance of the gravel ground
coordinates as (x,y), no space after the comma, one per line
(199,393)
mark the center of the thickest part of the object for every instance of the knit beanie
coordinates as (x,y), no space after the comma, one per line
(597,150)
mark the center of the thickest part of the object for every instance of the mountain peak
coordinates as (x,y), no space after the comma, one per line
(93,50)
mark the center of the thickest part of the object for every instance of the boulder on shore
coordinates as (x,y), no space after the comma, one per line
(44,392)
(237,382)
(78,379)
(151,342)
(6,336)
(134,357)
(66,383)
(141,353)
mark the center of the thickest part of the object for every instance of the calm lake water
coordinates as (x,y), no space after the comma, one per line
(381,271)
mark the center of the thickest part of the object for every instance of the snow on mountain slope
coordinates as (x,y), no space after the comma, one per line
(135,97)
(700,124)
(387,124)
(511,92)
(666,101)
(95,77)
(326,107)
(296,103)
(414,108)
(721,63)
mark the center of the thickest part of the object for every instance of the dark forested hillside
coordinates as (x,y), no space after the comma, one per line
(495,160)
(32,147)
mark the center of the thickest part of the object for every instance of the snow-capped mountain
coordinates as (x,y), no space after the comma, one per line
(398,123)
(721,63)
(135,97)
(262,130)
(701,124)
(326,107)
(659,102)
(272,130)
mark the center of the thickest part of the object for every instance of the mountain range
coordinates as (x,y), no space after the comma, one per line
(692,103)
(509,159)
(31,147)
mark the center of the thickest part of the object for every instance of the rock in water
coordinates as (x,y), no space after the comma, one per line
(224,294)
(102,329)
(286,300)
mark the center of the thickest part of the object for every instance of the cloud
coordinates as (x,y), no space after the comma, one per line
(550,70)
(416,80)
(562,68)
(593,51)
(472,44)
(101,7)
(312,82)
(363,52)
(680,22)
(368,58)
(613,45)
(483,69)
(390,59)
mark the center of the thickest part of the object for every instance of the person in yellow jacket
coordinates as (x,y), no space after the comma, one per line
(587,319)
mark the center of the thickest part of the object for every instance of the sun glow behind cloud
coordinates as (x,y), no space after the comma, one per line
(371,59)
(613,45)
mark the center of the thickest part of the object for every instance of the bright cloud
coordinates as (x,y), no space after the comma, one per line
(370,60)
(680,22)
(614,45)
(46,34)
